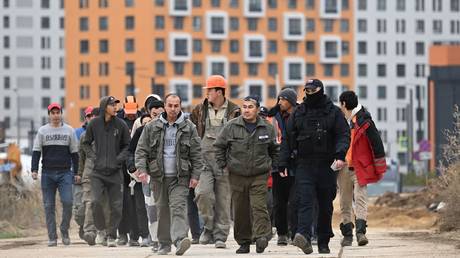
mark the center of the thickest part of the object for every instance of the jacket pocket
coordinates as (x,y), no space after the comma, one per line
(185,166)
(184,148)
(154,169)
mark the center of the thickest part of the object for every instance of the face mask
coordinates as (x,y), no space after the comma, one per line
(315,99)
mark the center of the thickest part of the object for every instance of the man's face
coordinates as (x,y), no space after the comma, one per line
(55,116)
(172,107)
(156,112)
(131,117)
(284,104)
(111,109)
(343,108)
(250,110)
(212,95)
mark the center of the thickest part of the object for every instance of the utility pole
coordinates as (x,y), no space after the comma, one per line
(410,133)
(18,118)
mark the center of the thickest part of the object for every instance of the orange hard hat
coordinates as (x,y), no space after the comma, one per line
(216,81)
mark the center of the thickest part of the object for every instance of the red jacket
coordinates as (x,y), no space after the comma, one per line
(367,167)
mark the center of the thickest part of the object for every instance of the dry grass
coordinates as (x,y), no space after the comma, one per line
(20,213)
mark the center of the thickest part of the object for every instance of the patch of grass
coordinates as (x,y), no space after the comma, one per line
(5,235)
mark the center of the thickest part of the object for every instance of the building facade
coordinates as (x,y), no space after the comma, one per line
(32,64)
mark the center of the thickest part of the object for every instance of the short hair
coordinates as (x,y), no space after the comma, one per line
(144,116)
(173,95)
(349,98)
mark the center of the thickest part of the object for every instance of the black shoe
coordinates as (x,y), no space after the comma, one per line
(90,238)
(182,246)
(347,241)
(261,244)
(303,243)
(282,240)
(324,249)
(244,249)
(122,239)
(362,239)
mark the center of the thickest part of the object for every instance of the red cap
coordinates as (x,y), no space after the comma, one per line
(54,105)
(89,110)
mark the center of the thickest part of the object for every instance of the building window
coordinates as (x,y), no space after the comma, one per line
(216,46)
(103,69)
(45,22)
(160,68)
(233,4)
(381,114)
(158,89)
(159,22)
(381,47)
(84,24)
(46,83)
(272,91)
(381,25)
(178,23)
(234,46)
(344,70)
(272,46)
(6,42)
(272,69)
(455,5)
(183,90)
(130,68)
(362,70)
(381,5)
(344,25)
(419,70)
(400,48)
(420,26)
(84,69)
(310,25)
(179,68)
(84,46)
(253,69)
(197,91)
(401,92)
(328,25)
(252,24)
(272,24)
(159,45)
(420,5)
(381,70)
(234,68)
(381,92)
(328,70)
(129,45)
(437,5)
(46,101)
(180,47)
(103,3)
(84,92)
(103,90)
(6,3)
(83,4)
(234,91)
(362,47)
(292,4)
(6,102)
(197,68)
(400,26)
(310,69)
(103,46)
(400,70)
(103,23)
(197,46)
(292,46)
(362,25)
(437,26)
(129,22)
(310,47)
(129,3)
(234,24)
(6,82)
(332,92)
(362,92)
(196,23)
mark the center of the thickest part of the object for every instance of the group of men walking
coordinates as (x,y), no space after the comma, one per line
(145,174)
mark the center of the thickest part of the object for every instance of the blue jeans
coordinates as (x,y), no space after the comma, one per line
(51,181)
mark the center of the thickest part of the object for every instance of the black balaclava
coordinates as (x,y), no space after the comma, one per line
(314,100)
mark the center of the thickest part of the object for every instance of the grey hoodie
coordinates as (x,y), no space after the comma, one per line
(111,140)
(169,150)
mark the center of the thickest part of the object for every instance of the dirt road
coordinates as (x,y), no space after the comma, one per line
(383,243)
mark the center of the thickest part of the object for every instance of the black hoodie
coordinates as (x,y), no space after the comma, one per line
(111,143)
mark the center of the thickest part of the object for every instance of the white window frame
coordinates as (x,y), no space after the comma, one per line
(260,82)
(290,60)
(214,59)
(293,15)
(247,13)
(172,89)
(330,60)
(173,12)
(322,10)
(218,14)
(333,83)
(247,39)
(172,47)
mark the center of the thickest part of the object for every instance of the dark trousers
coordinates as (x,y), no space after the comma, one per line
(316,179)
(192,214)
(134,216)
(284,207)
(52,181)
(114,193)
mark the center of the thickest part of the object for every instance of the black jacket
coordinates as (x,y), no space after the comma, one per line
(327,138)
(362,117)
(111,143)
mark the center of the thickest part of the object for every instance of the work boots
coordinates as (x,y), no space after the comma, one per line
(347,232)
(361,232)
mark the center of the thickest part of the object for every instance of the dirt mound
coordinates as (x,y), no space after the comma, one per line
(419,199)
(407,218)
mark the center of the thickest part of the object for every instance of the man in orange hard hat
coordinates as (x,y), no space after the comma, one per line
(213,190)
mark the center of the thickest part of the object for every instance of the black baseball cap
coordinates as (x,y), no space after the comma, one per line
(112,100)
(313,84)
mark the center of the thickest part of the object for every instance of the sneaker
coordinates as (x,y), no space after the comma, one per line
(244,249)
(164,249)
(220,244)
(302,243)
(282,240)
(205,237)
(182,246)
(101,237)
(145,242)
(347,241)
(81,233)
(111,242)
(65,238)
(133,242)
(195,241)
(324,249)
(362,239)
(52,243)
(90,238)
(122,239)
(261,244)
(155,247)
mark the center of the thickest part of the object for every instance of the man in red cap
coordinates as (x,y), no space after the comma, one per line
(213,190)
(59,146)
(88,116)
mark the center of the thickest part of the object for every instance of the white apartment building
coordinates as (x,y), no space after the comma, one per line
(392,40)
(31,62)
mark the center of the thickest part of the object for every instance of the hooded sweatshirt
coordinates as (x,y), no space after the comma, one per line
(169,150)
(111,141)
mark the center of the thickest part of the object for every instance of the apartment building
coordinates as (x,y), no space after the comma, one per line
(135,47)
(392,38)
(32,65)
